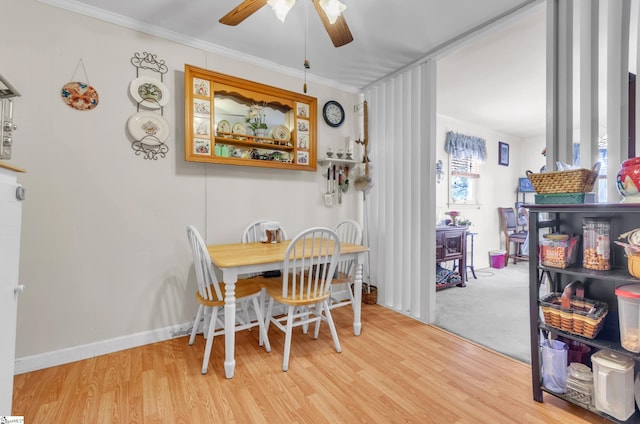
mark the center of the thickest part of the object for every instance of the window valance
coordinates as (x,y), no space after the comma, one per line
(465,146)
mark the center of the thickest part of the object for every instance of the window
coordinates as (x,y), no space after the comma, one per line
(464,178)
(466,153)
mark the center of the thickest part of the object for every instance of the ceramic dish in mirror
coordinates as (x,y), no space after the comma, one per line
(239,128)
(281,133)
(223,127)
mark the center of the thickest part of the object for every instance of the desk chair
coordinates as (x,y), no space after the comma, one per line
(349,231)
(305,286)
(513,235)
(210,296)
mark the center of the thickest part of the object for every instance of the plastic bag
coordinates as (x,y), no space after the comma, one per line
(554,365)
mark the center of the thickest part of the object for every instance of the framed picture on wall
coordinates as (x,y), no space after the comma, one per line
(503,154)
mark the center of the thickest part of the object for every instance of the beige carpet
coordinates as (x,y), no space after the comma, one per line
(492,310)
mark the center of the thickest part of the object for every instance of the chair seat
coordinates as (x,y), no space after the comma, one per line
(274,289)
(244,288)
(341,278)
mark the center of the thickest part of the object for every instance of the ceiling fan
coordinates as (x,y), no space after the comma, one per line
(338,30)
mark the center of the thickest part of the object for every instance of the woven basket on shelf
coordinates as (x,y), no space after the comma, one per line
(585,317)
(573,181)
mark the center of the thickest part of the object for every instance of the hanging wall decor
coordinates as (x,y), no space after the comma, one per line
(79,95)
(149,129)
(503,154)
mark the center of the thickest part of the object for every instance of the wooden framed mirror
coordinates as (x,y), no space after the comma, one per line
(235,121)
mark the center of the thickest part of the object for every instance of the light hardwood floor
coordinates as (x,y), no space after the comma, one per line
(398,371)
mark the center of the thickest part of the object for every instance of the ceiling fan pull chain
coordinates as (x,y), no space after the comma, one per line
(307,65)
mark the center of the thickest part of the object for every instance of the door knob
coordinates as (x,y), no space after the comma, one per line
(19,289)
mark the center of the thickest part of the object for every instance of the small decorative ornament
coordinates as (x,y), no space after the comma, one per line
(628,180)
(80,95)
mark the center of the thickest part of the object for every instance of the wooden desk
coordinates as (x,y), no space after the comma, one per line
(451,245)
(241,258)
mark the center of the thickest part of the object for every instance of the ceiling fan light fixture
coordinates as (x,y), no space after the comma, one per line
(332,8)
(281,7)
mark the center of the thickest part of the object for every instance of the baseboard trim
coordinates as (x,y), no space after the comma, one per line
(103,347)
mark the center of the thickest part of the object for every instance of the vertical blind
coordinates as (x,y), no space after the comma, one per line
(399,207)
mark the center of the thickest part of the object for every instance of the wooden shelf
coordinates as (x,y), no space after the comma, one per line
(250,141)
(324,160)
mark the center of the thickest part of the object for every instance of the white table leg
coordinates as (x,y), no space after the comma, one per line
(357,294)
(230,277)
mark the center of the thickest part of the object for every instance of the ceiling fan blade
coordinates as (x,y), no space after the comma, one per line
(242,12)
(338,31)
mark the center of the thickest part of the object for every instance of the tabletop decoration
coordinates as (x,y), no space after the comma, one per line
(454,215)
(628,181)
(464,222)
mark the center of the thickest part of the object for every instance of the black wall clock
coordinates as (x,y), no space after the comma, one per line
(333,113)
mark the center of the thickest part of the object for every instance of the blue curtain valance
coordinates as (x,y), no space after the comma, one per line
(465,146)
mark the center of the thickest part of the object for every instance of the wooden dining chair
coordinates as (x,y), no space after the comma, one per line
(513,235)
(210,296)
(348,231)
(304,289)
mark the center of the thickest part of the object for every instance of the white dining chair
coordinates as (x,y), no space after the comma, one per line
(309,263)
(256,230)
(210,296)
(349,231)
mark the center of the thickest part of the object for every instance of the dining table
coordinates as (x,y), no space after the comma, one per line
(244,258)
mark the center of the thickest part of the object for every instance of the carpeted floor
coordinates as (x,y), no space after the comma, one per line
(492,311)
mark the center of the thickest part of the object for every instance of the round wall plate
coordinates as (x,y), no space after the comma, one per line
(149,92)
(148,125)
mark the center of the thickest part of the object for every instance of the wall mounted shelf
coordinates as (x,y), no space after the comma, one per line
(337,161)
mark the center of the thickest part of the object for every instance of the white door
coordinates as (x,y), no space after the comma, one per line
(10,221)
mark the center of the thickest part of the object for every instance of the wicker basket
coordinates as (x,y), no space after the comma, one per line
(574,181)
(585,317)
(369,294)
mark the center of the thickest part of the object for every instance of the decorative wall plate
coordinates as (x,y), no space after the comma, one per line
(223,127)
(149,92)
(147,125)
(239,128)
(281,133)
(79,95)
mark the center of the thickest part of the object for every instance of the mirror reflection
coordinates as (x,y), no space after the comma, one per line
(243,112)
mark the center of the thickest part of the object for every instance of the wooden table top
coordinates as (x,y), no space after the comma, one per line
(242,254)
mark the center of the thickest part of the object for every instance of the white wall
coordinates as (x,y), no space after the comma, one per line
(104,254)
(498,184)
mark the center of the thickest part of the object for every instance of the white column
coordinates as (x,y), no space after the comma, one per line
(589,123)
(426,190)
(559,82)
(617,91)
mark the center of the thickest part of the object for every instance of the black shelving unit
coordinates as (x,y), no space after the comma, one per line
(599,285)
